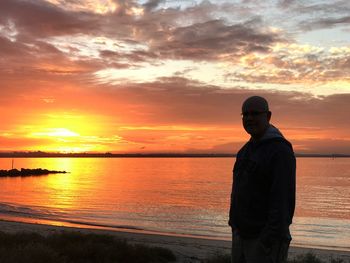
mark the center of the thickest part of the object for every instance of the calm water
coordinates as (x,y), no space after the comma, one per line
(183,196)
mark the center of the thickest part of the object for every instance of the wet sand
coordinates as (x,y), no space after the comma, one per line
(186,249)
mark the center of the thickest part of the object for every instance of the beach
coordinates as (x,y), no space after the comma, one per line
(186,249)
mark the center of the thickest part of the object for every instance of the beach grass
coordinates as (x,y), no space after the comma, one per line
(73,247)
(305,258)
(76,247)
(311,258)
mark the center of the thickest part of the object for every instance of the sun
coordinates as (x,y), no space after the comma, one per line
(56,132)
(67,133)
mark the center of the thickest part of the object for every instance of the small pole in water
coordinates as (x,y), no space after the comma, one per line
(12,163)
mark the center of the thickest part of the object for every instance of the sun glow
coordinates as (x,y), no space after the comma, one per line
(56,132)
(70,133)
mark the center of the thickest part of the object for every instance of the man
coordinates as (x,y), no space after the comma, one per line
(263,190)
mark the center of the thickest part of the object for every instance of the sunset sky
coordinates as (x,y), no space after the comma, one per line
(170,76)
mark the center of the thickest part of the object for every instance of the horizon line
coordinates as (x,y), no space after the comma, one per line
(18,154)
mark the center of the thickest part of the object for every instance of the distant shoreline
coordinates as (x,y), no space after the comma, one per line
(145,155)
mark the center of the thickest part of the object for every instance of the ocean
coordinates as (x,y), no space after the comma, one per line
(174,196)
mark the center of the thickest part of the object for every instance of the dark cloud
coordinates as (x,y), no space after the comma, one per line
(296,114)
(212,39)
(323,9)
(286,3)
(135,56)
(311,15)
(41,19)
(10,49)
(231,147)
(179,101)
(309,146)
(325,146)
(325,23)
(314,8)
(25,50)
(152,4)
(322,116)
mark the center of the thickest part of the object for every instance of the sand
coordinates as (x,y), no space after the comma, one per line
(186,249)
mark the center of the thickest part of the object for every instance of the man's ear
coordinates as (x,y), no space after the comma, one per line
(269,115)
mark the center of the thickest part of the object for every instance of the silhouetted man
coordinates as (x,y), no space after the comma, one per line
(263,190)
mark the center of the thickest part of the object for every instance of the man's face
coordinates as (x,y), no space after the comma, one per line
(255,120)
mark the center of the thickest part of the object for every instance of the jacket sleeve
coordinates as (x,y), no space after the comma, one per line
(282,197)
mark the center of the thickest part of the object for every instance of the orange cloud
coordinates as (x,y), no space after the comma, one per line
(170,116)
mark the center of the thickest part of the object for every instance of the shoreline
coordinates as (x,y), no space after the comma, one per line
(186,249)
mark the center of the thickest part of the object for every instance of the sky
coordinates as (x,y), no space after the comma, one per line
(170,76)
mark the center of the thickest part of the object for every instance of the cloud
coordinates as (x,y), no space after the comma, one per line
(10,49)
(325,23)
(178,101)
(175,114)
(51,43)
(314,15)
(292,64)
(133,57)
(152,4)
(42,19)
(49,40)
(325,146)
(165,37)
(286,3)
(212,40)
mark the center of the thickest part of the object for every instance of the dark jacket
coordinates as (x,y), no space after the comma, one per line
(263,189)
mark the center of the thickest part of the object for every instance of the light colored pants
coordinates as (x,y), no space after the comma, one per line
(252,251)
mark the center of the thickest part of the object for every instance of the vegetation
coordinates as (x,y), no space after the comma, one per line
(72,247)
(311,258)
(219,258)
(307,258)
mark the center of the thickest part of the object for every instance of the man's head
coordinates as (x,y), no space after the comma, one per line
(256,116)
